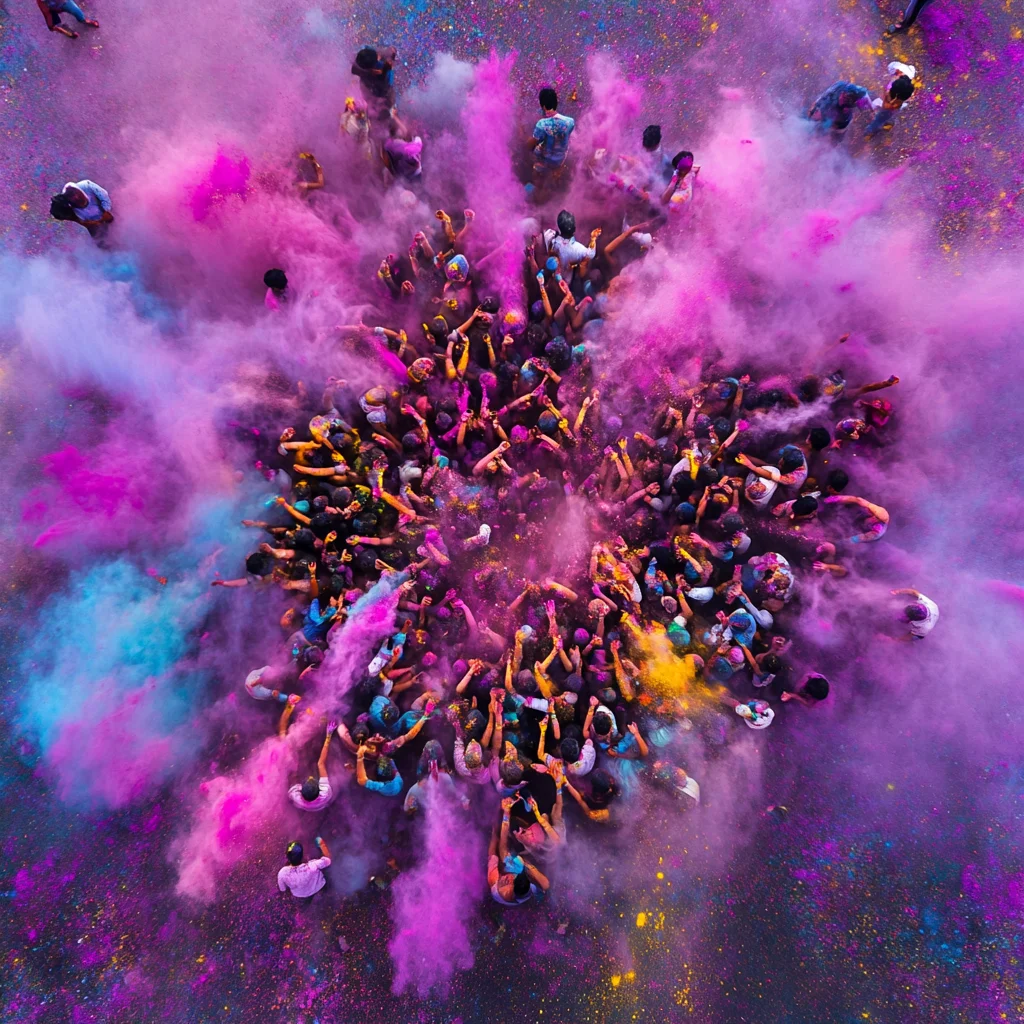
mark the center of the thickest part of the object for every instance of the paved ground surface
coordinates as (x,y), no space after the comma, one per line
(890,897)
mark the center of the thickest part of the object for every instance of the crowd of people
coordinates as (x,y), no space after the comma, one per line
(545,701)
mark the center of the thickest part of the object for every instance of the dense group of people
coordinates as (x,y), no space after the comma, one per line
(542,701)
(541,698)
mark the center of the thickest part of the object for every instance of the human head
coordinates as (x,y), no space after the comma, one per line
(732,523)
(686,513)
(652,136)
(457,269)
(804,506)
(432,752)
(76,197)
(771,663)
(360,733)
(603,723)
(366,58)
(901,89)
(294,853)
(310,789)
(602,786)
(511,773)
(569,748)
(792,458)
(566,224)
(389,713)
(820,438)
(816,687)
(259,564)
(276,279)
(683,161)
(916,612)
(548,99)
(836,481)
(521,886)
(473,755)
(574,682)
(386,769)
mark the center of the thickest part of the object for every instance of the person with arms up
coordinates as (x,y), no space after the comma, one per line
(316,794)
(304,879)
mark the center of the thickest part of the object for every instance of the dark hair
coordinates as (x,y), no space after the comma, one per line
(683,154)
(707,475)
(366,57)
(559,354)
(916,612)
(276,279)
(574,682)
(792,458)
(432,751)
(294,853)
(386,769)
(475,725)
(805,505)
(61,207)
(732,523)
(548,99)
(566,224)
(259,564)
(771,663)
(837,479)
(652,136)
(511,773)
(490,304)
(310,789)
(902,89)
(359,732)
(569,749)
(820,438)
(816,687)
(521,886)
(602,786)
(389,713)
(686,513)
(603,723)
(722,426)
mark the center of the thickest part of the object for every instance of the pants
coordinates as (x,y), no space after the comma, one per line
(914,8)
(880,120)
(69,7)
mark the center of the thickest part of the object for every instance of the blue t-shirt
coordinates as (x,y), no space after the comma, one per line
(837,103)
(316,625)
(390,788)
(553,135)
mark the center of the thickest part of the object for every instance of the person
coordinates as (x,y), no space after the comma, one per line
(256,685)
(811,690)
(551,135)
(401,152)
(87,204)
(276,281)
(316,793)
(564,247)
(910,15)
(835,107)
(376,73)
(897,94)
(922,614)
(304,879)
(679,191)
(53,9)
(877,521)
(304,185)
(386,781)
(523,881)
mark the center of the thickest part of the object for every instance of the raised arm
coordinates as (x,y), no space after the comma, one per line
(289,710)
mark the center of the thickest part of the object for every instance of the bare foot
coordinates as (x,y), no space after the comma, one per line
(92,23)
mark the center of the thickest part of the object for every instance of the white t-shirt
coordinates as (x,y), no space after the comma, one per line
(923,627)
(568,251)
(324,797)
(691,789)
(577,769)
(304,879)
(763,720)
(758,489)
(99,199)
